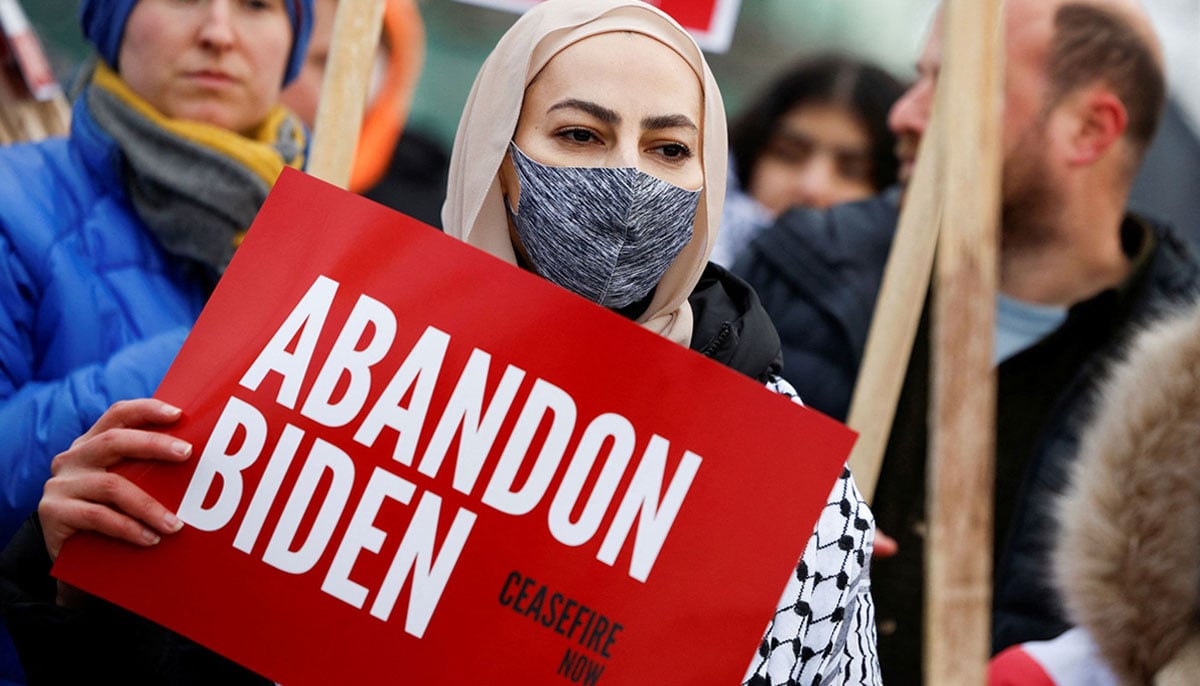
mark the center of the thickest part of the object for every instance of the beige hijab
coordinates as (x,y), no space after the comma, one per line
(474,209)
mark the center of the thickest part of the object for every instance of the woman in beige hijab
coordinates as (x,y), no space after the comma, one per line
(525,59)
(595,115)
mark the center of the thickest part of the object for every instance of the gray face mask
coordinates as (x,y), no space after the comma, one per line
(605,233)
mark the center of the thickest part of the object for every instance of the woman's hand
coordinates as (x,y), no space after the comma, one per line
(82,495)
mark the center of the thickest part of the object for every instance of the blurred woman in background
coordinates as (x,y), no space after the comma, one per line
(112,238)
(816,136)
(394,163)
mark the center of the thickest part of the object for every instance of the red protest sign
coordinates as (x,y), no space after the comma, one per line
(711,22)
(411,458)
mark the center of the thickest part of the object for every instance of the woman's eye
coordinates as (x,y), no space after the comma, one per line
(855,167)
(792,151)
(577,135)
(674,151)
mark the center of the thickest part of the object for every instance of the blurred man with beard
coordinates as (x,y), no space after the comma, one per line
(1084,90)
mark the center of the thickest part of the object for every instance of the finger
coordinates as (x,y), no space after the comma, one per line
(105,503)
(885,546)
(115,492)
(110,447)
(132,414)
(66,518)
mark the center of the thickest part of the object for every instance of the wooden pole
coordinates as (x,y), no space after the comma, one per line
(897,314)
(404,35)
(951,206)
(961,472)
(55,115)
(24,119)
(7,135)
(356,31)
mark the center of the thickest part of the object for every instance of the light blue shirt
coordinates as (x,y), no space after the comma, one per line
(1020,325)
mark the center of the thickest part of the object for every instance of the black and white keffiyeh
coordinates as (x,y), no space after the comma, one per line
(823,630)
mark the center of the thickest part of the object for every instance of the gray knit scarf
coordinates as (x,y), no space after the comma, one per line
(196,201)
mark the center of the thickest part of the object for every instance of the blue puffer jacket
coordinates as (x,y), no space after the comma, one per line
(92,310)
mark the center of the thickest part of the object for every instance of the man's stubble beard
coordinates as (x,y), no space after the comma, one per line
(1031,199)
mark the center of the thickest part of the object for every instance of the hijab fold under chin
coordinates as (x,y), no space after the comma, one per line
(474,209)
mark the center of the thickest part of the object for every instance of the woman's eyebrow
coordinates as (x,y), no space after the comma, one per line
(598,111)
(669,121)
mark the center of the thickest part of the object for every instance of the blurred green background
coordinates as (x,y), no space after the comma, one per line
(769,35)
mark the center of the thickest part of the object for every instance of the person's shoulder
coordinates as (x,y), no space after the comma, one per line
(841,226)
(1174,269)
(32,163)
(805,243)
(46,191)
(28,173)
(876,215)
(1164,274)
(731,326)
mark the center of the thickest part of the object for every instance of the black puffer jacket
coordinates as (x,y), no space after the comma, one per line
(730,325)
(96,643)
(817,273)
(1025,606)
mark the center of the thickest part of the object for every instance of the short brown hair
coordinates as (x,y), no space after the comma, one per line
(1094,44)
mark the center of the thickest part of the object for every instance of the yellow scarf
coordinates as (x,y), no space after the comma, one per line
(197,187)
(256,152)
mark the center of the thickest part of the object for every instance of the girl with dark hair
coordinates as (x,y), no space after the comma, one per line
(816,136)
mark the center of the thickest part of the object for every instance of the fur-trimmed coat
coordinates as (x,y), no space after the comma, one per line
(1128,555)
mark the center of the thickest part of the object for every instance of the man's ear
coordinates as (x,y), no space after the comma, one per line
(1100,121)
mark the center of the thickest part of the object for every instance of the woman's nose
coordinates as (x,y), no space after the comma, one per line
(626,155)
(813,184)
(216,29)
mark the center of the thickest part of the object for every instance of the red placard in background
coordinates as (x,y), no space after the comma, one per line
(541,546)
(711,22)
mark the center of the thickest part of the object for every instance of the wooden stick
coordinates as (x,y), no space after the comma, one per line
(404,33)
(25,120)
(961,472)
(952,203)
(356,31)
(7,135)
(55,115)
(29,121)
(897,314)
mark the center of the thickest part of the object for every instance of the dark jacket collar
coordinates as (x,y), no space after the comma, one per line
(1164,272)
(833,257)
(731,326)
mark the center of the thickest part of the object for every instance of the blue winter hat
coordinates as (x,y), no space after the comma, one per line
(104,24)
